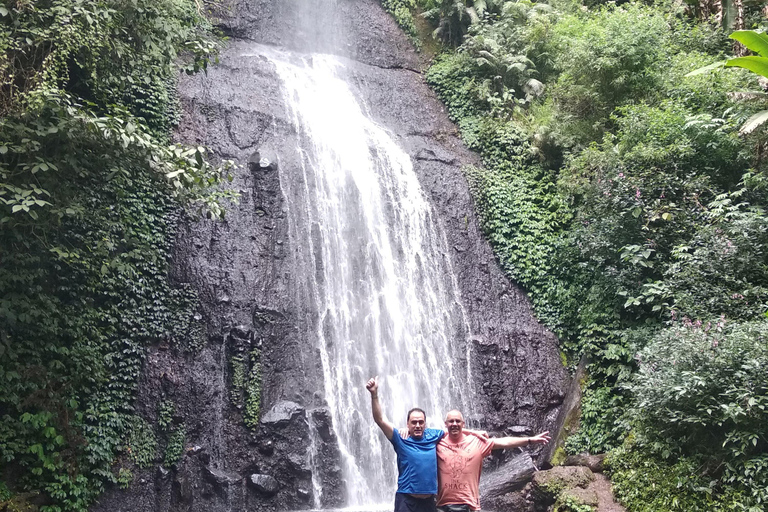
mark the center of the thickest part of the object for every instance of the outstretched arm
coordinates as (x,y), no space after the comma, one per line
(378,416)
(514,442)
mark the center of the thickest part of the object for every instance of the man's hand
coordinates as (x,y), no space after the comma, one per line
(404,434)
(516,442)
(373,386)
(542,438)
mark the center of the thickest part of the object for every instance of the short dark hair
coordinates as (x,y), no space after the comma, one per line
(415,409)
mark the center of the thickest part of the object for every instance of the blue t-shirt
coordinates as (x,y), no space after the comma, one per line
(417,462)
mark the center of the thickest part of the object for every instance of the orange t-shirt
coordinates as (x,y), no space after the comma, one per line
(458,470)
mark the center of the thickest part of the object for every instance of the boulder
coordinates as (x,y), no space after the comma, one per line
(582,496)
(595,463)
(321,418)
(551,482)
(264,484)
(512,475)
(182,489)
(281,414)
(220,479)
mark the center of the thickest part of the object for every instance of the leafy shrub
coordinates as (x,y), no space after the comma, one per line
(706,385)
(604,59)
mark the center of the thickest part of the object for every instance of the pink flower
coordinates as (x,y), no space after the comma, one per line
(637,193)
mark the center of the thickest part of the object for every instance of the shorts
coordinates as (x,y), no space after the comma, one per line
(454,508)
(407,503)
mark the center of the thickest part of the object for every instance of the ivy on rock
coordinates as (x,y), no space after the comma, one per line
(90,194)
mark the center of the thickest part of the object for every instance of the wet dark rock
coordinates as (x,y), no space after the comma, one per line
(266,447)
(195,450)
(511,476)
(219,478)
(282,413)
(304,494)
(321,419)
(162,473)
(240,332)
(264,484)
(263,160)
(298,464)
(568,416)
(182,489)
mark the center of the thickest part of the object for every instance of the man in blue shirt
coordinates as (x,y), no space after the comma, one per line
(416,456)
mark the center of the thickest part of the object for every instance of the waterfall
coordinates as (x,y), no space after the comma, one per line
(374,272)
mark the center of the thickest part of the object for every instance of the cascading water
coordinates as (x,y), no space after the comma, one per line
(374,272)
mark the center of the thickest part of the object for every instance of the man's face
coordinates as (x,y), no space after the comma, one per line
(454,423)
(416,424)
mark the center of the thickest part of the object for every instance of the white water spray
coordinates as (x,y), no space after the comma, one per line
(374,269)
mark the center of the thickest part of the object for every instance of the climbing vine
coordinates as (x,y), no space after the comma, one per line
(253,390)
(90,193)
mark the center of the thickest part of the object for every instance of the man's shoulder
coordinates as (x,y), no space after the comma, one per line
(433,433)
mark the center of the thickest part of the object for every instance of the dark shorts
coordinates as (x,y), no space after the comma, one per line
(454,508)
(406,503)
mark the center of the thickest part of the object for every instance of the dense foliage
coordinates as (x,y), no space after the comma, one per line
(90,190)
(618,190)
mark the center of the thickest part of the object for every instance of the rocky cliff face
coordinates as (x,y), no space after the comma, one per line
(242,272)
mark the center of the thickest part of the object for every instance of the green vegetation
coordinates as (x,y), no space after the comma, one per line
(253,391)
(618,190)
(245,382)
(165,411)
(141,443)
(175,447)
(569,503)
(90,192)
(238,367)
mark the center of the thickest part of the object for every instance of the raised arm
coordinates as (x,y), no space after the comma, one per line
(500,443)
(378,416)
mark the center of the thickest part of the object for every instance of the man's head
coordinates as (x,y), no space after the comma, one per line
(417,420)
(454,423)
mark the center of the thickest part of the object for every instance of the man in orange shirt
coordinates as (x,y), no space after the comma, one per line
(460,461)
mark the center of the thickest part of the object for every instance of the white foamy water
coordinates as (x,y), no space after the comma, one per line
(374,272)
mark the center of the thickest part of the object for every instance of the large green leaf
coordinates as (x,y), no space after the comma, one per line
(754,121)
(755,41)
(757,65)
(706,69)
